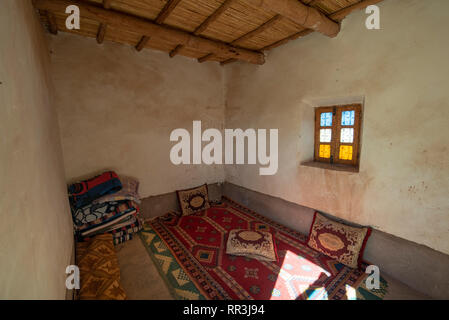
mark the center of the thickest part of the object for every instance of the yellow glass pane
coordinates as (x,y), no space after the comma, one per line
(346,152)
(325,151)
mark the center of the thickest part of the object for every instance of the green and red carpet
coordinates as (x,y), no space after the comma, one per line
(189,252)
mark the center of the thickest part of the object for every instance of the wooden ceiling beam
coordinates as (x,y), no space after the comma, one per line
(287,39)
(337,16)
(313,2)
(308,17)
(206,57)
(150,29)
(165,12)
(214,16)
(258,30)
(101,33)
(203,26)
(142,43)
(52,25)
(340,15)
(225,62)
(107,4)
(175,51)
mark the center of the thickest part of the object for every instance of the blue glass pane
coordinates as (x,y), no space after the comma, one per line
(326,119)
(347,118)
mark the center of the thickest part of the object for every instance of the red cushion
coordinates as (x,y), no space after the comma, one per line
(338,241)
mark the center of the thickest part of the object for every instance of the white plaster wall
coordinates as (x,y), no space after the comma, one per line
(401,71)
(36,238)
(117,108)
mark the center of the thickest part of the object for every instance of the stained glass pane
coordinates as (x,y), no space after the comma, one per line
(326,119)
(325,135)
(346,152)
(325,151)
(347,118)
(347,135)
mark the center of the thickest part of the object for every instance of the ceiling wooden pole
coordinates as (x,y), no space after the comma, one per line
(214,16)
(175,51)
(258,30)
(142,43)
(206,57)
(225,62)
(107,4)
(149,29)
(287,39)
(165,12)
(52,25)
(337,16)
(340,15)
(298,12)
(101,32)
(203,26)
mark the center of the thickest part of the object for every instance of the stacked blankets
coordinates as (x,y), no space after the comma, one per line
(103,204)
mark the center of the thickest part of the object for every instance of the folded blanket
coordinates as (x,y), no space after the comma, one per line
(84,192)
(129,191)
(97,214)
(102,228)
(126,233)
(121,229)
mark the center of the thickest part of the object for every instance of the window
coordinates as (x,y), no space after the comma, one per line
(337,134)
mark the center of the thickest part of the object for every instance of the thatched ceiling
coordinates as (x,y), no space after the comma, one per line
(207,30)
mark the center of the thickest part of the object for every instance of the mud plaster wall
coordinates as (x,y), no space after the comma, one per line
(36,239)
(400,72)
(117,108)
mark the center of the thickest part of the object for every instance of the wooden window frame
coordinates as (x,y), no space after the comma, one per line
(336,127)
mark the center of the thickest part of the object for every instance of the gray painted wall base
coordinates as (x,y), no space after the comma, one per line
(155,206)
(418,266)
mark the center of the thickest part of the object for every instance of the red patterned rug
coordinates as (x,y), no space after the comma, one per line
(197,243)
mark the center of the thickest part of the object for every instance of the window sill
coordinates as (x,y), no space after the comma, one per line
(328,166)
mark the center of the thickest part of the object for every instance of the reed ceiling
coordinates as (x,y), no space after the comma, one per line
(207,30)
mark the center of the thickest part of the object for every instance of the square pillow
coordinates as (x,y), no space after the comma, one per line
(193,200)
(253,244)
(129,191)
(338,241)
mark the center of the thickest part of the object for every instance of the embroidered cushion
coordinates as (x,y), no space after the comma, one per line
(128,192)
(193,200)
(338,241)
(253,244)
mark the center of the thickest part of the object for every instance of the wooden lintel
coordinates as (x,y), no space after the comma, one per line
(144,27)
(175,51)
(203,26)
(258,30)
(107,4)
(52,25)
(340,15)
(101,32)
(205,58)
(142,43)
(308,17)
(165,12)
